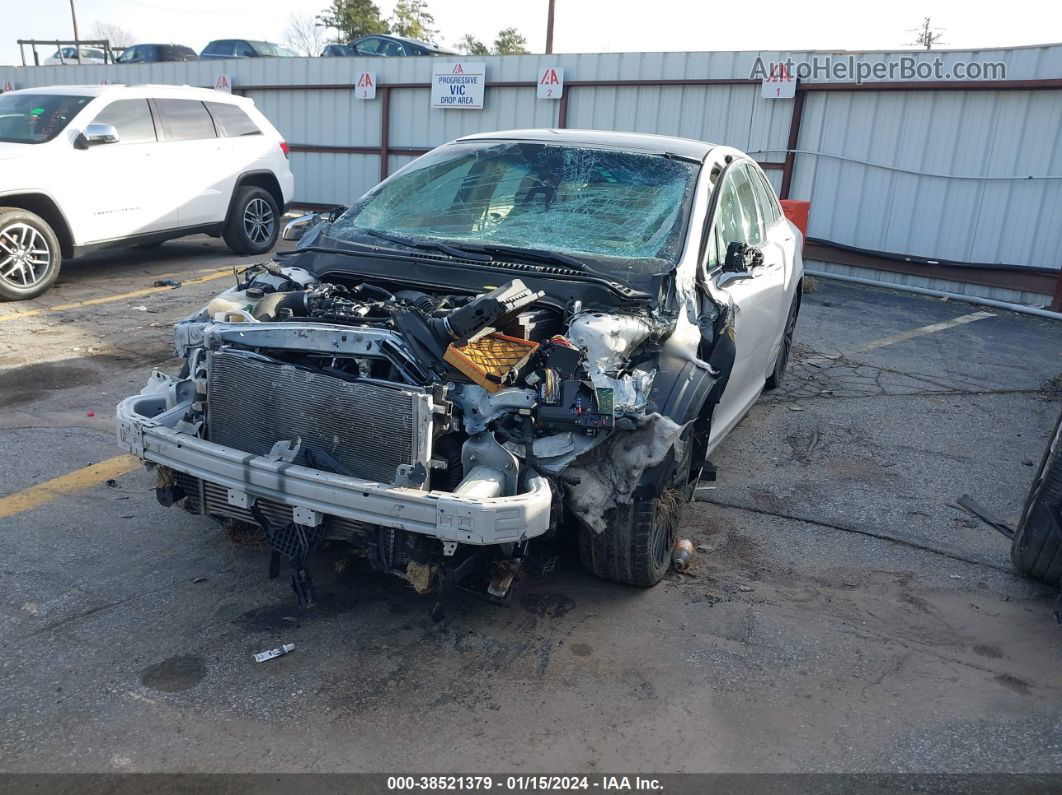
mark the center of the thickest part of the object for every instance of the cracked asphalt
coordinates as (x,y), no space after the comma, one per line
(841,613)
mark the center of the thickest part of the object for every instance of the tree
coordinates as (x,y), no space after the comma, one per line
(353,19)
(413,20)
(115,34)
(305,35)
(510,42)
(470,45)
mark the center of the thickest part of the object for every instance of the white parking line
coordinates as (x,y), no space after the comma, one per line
(892,339)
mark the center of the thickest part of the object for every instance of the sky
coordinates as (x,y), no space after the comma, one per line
(581,25)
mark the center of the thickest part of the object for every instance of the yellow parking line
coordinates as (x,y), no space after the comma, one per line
(79,479)
(918,332)
(106,299)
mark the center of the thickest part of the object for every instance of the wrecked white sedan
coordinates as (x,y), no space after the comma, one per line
(518,334)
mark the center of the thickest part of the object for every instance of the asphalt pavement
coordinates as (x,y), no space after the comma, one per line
(841,613)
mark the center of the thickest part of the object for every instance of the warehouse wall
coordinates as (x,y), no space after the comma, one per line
(938,174)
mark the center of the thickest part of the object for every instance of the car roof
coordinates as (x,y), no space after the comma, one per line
(139,90)
(407,40)
(642,142)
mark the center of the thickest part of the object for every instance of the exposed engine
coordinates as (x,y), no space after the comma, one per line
(479,396)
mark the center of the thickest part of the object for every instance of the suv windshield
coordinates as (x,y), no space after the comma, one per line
(623,212)
(36,118)
(270,50)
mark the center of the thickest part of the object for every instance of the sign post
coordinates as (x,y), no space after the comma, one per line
(365,87)
(551,82)
(458,85)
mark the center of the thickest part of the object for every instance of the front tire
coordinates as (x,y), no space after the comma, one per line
(635,548)
(254,221)
(30,257)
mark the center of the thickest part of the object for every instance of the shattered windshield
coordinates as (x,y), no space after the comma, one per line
(622,212)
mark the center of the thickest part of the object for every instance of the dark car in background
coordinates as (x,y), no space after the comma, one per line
(156,53)
(245,48)
(387,46)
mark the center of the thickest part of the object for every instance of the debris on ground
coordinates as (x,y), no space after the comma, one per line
(682,554)
(269,654)
(968,503)
(140,308)
(167,283)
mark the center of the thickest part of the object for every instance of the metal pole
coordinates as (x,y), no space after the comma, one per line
(73,16)
(549,27)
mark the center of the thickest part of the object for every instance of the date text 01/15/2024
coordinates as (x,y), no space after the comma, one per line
(520,783)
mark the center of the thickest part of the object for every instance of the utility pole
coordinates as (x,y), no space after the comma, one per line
(73,16)
(927,36)
(549,27)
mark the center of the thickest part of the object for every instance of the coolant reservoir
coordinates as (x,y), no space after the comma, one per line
(229,302)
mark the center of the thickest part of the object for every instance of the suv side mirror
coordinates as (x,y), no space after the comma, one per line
(96,134)
(741,258)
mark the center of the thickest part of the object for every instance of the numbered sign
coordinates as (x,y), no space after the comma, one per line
(223,83)
(365,87)
(780,83)
(551,83)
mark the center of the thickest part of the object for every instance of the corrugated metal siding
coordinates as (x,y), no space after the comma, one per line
(958,133)
(985,134)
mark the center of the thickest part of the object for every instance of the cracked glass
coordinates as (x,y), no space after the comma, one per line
(623,212)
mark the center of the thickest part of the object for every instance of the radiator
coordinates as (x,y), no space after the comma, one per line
(369,428)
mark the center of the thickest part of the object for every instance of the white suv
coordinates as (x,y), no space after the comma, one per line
(90,167)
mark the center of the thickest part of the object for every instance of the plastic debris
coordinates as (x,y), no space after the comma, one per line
(682,554)
(167,283)
(140,308)
(269,654)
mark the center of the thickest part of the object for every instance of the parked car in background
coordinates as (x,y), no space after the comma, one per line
(384,46)
(90,167)
(66,55)
(156,53)
(516,335)
(245,48)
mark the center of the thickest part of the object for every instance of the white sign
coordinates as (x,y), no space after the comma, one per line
(8,86)
(551,83)
(365,87)
(780,83)
(458,85)
(223,83)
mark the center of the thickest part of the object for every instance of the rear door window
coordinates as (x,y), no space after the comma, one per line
(245,50)
(231,121)
(746,196)
(185,119)
(132,119)
(765,197)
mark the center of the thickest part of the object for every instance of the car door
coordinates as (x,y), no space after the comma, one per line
(756,295)
(199,185)
(117,183)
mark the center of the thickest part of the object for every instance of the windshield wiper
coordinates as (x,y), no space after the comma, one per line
(536,254)
(444,248)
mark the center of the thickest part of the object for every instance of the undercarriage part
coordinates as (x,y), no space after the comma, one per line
(295,542)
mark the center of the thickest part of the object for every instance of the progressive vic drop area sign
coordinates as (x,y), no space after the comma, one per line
(458,85)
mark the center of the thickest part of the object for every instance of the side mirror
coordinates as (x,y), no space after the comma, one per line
(297,227)
(741,258)
(96,134)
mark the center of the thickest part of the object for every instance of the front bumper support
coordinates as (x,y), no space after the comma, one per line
(148,426)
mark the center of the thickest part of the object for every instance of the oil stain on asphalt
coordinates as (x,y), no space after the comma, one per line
(175,674)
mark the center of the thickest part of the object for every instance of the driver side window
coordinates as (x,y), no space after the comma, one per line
(730,224)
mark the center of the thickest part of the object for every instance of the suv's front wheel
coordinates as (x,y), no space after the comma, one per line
(254,221)
(29,255)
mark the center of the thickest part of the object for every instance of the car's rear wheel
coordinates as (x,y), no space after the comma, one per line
(635,547)
(782,362)
(1037,546)
(254,221)
(29,255)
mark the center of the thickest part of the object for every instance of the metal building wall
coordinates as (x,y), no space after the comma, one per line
(896,171)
